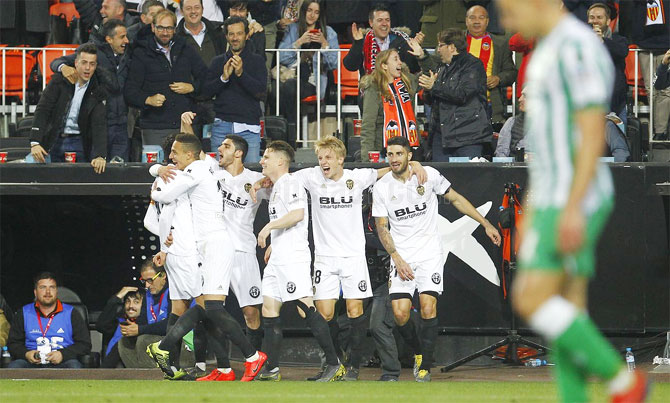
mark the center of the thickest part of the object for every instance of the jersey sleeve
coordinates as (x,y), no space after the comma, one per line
(586,73)
(379,208)
(440,184)
(151,218)
(304,176)
(366,176)
(294,196)
(169,192)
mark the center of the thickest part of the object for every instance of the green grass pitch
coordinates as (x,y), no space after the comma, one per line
(73,391)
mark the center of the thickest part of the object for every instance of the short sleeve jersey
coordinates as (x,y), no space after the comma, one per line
(412,213)
(337,222)
(289,245)
(570,71)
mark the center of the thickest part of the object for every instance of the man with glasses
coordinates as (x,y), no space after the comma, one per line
(165,74)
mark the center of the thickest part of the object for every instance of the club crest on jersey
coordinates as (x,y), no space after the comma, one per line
(290,287)
(436,278)
(363,286)
(247,187)
(350,184)
(254,292)
(420,190)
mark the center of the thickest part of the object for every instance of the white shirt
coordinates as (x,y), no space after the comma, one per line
(240,211)
(199,37)
(337,209)
(289,245)
(71,124)
(412,213)
(204,193)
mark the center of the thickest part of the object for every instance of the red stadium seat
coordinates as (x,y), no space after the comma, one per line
(630,72)
(67,10)
(349,79)
(15,78)
(46,56)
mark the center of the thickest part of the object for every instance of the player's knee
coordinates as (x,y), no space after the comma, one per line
(251,317)
(400,317)
(354,310)
(428,311)
(328,316)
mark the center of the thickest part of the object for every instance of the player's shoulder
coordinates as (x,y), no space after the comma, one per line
(249,175)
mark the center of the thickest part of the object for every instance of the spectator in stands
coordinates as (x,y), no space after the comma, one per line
(266,13)
(72,117)
(457,94)
(115,320)
(256,38)
(112,45)
(380,37)
(599,16)
(24,22)
(617,146)
(383,117)
(663,73)
(580,7)
(149,10)
(6,317)
(238,79)
(310,32)
(289,14)
(204,36)
(494,53)
(92,18)
(165,73)
(511,136)
(48,331)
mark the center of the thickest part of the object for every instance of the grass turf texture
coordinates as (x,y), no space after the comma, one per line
(100,391)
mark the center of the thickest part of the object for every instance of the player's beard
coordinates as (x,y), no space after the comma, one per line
(401,169)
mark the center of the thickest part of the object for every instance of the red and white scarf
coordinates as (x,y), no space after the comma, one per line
(399,119)
(371,48)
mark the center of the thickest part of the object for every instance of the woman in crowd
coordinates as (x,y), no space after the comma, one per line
(388,109)
(310,32)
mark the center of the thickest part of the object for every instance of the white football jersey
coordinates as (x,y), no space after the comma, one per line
(240,211)
(204,193)
(412,213)
(337,221)
(289,245)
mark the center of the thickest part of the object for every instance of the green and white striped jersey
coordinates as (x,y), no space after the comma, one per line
(570,70)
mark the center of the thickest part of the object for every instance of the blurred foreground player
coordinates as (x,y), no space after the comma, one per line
(570,82)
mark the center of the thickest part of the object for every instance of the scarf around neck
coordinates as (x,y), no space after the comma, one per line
(399,119)
(371,48)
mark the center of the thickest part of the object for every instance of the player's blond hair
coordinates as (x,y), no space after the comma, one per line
(331,143)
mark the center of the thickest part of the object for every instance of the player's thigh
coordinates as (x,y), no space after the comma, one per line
(295,281)
(216,263)
(326,278)
(179,306)
(531,288)
(575,290)
(355,278)
(428,303)
(245,280)
(428,275)
(326,308)
(271,307)
(184,275)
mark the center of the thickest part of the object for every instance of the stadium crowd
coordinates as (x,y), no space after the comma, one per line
(173,75)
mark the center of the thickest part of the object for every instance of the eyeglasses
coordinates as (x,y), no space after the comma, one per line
(151,280)
(162,28)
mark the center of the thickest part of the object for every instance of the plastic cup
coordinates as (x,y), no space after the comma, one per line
(373,156)
(151,156)
(70,157)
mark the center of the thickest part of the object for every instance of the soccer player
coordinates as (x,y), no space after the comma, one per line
(417,262)
(570,82)
(212,239)
(339,240)
(239,213)
(287,275)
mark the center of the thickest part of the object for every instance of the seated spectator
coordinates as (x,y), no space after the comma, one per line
(48,333)
(496,57)
(60,127)
(457,94)
(387,105)
(6,317)
(148,11)
(617,146)
(310,32)
(115,321)
(511,136)
(663,73)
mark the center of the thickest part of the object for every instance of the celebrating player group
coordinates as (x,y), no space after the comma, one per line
(205,211)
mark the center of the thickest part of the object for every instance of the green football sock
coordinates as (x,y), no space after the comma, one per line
(588,348)
(569,377)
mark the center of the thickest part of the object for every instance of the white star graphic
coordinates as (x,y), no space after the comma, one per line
(457,238)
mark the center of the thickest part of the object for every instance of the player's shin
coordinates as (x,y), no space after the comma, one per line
(216,312)
(569,377)
(321,333)
(273,339)
(428,339)
(358,330)
(408,333)
(256,337)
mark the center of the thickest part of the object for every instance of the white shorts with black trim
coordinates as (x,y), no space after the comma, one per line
(287,282)
(349,273)
(245,280)
(184,276)
(217,254)
(427,277)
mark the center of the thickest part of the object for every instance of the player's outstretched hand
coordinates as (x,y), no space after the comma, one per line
(159,259)
(419,171)
(404,271)
(263,236)
(268,252)
(570,230)
(493,234)
(261,183)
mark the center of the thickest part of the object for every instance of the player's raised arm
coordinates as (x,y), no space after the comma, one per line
(292,218)
(169,192)
(464,206)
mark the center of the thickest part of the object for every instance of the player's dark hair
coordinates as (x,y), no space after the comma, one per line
(235,20)
(190,142)
(109,27)
(86,48)
(149,264)
(399,141)
(167,145)
(181,5)
(378,7)
(282,147)
(453,36)
(45,275)
(240,144)
(151,3)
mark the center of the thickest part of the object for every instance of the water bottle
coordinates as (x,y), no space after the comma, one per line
(6,358)
(630,359)
(536,362)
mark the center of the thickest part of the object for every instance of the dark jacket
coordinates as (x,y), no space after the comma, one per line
(107,321)
(504,68)
(80,334)
(90,17)
(458,99)
(633,24)
(264,12)
(354,59)
(36,15)
(117,110)
(617,46)
(662,77)
(151,73)
(213,33)
(238,99)
(53,107)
